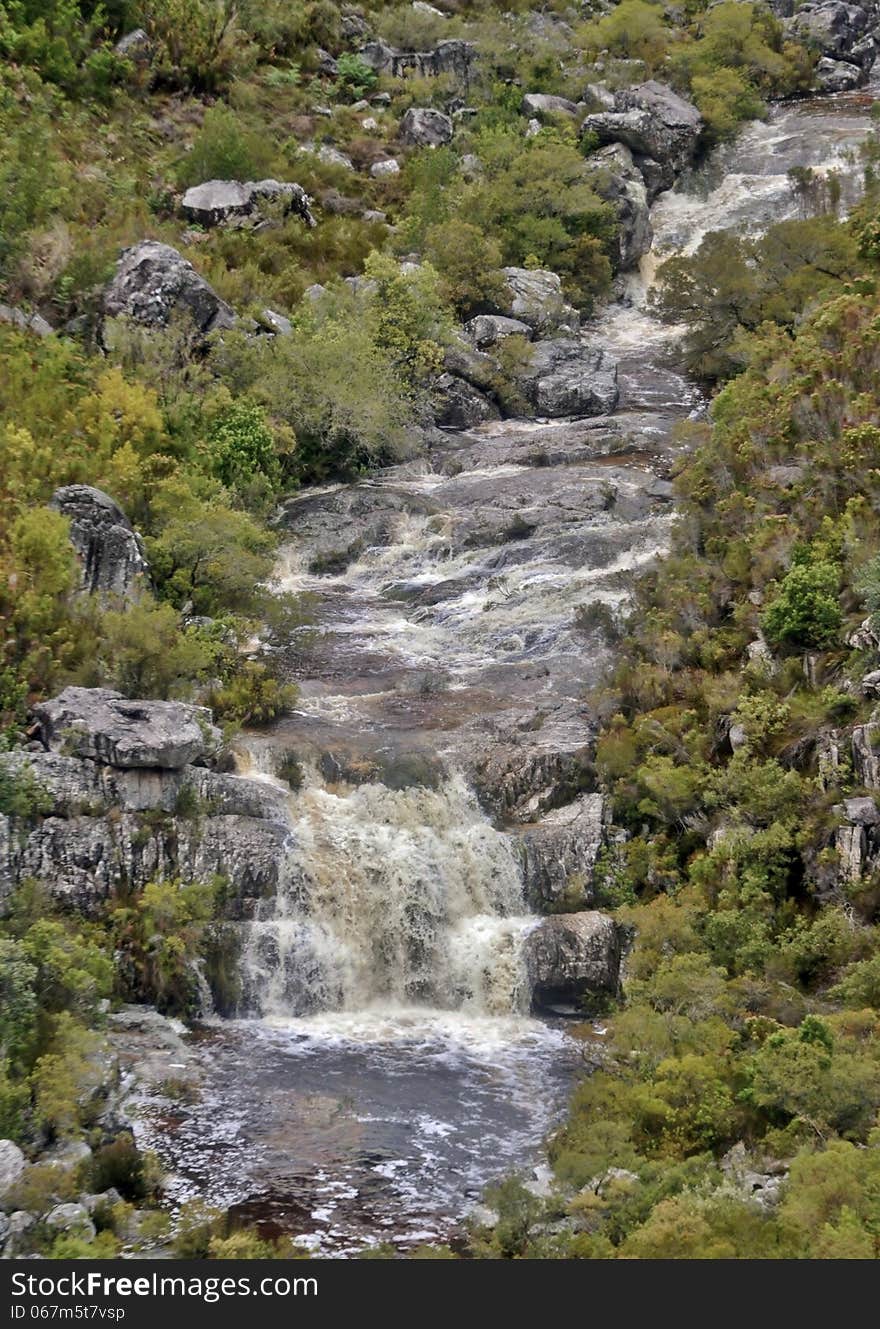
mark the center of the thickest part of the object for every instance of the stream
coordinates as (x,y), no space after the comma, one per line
(393,1069)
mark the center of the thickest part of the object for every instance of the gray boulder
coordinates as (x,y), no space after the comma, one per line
(383,169)
(461,405)
(565,377)
(218,201)
(12,1165)
(152,282)
(18,1234)
(135,46)
(838,75)
(617,179)
(865,750)
(571,956)
(834,28)
(487,330)
(107,727)
(538,104)
(560,851)
(536,299)
(72,1218)
(331,156)
(861,811)
(17,318)
(656,124)
(423,127)
(110,552)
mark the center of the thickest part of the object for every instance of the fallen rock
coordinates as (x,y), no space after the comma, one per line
(536,299)
(218,201)
(331,156)
(423,127)
(487,330)
(382,170)
(107,727)
(111,554)
(834,28)
(539,103)
(153,281)
(861,811)
(571,956)
(18,1234)
(72,1218)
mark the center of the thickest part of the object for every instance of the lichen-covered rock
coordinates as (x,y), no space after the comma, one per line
(135,46)
(110,728)
(218,201)
(381,170)
(536,299)
(153,282)
(424,127)
(18,1234)
(110,552)
(865,748)
(571,956)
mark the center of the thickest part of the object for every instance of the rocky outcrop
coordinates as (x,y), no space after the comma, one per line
(17,318)
(837,76)
(423,127)
(559,853)
(107,831)
(618,180)
(153,282)
(135,46)
(840,32)
(536,299)
(659,127)
(566,378)
(111,554)
(218,201)
(571,957)
(12,1165)
(866,754)
(107,727)
(451,57)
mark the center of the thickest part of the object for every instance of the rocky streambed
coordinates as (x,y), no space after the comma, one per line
(399,1035)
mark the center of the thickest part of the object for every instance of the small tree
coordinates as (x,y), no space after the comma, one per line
(806,611)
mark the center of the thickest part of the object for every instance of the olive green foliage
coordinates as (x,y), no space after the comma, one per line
(160,935)
(224,149)
(734,284)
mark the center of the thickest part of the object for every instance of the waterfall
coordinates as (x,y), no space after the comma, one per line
(391,897)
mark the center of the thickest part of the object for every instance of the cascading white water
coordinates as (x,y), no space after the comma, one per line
(404,897)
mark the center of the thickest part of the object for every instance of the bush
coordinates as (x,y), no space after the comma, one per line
(806,611)
(355,76)
(118,1166)
(199,43)
(224,149)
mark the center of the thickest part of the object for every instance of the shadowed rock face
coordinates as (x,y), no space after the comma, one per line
(424,127)
(659,127)
(572,955)
(108,830)
(449,57)
(110,553)
(153,282)
(105,726)
(218,201)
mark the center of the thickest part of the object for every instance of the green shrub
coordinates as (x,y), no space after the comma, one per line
(806,611)
(224,149)
(118,1166)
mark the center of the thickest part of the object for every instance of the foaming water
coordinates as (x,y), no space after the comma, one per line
(391,895)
